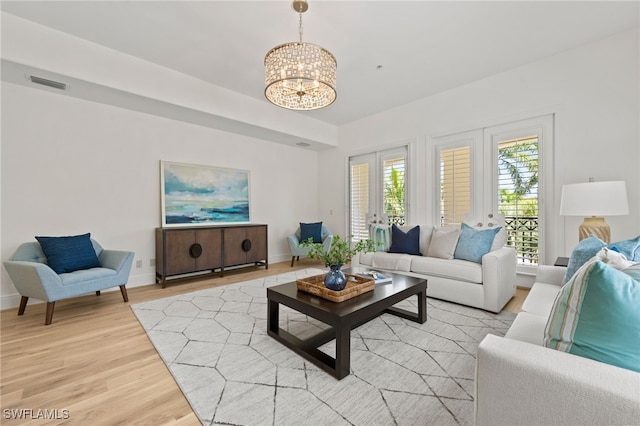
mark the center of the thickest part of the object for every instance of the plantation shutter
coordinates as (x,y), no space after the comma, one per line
(518,195)
(455,185)
(359,200)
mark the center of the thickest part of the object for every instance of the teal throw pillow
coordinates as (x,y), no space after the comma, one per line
(630,248)
(405,242)
(311,230)
(474,243)
(68,254)
(596,316)
(584,251)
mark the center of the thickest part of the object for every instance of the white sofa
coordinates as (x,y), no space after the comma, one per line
(487,286)
(521,382)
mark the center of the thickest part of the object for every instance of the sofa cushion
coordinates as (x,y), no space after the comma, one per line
(311,230)
(405,242)
(391,261)
(443,242)
(596,316)
(448,268)
(540,299)
(68,254)
(528,327)
(584,251)
(474,243)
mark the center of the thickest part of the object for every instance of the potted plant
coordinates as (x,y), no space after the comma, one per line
(339,254)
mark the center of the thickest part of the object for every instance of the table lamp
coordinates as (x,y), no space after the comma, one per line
(593,200)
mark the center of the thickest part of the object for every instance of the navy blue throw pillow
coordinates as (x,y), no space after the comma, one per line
(68,254)
(405,242)
(311,230)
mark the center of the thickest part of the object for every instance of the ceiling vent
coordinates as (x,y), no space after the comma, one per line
(49,83)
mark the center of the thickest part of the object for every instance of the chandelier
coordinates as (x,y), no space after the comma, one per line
(300,76)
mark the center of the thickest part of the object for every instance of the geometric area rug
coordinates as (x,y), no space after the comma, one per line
(215,344)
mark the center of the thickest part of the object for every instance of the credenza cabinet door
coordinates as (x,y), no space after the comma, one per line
(176,251)
(258,237)
(210,239)
(245,245)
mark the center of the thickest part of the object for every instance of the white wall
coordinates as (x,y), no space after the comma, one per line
(594,92)
(71,166)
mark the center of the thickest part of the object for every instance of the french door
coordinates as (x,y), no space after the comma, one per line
(377,189)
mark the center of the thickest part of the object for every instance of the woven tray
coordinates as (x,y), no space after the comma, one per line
(356,285)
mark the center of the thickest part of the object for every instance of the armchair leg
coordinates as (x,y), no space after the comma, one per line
(49,316)
(123,290)
(98,293)
(23,305)
(293,258)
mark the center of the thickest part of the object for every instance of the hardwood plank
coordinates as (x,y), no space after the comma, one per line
(96,361)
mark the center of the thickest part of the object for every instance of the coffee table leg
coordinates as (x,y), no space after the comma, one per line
(422,307)
(273,315)
(343,352)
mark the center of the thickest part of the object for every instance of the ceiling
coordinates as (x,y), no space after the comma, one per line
(389,52)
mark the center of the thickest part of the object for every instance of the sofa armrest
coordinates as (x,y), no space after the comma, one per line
(498,278)
(33,279)
(525,384)
(550,274)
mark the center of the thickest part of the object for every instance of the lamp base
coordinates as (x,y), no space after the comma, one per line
(596,226)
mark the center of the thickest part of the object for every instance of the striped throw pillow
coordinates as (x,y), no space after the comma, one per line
(596,316)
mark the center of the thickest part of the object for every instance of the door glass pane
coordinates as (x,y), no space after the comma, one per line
(518,195)
(455,185)
(394,190)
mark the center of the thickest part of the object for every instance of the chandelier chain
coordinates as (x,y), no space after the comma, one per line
(300,24)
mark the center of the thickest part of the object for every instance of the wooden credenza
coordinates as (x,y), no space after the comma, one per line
(196,249)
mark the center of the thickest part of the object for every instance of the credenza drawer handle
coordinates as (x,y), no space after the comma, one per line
(246,245)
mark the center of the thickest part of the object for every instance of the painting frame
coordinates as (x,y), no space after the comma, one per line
(202,195)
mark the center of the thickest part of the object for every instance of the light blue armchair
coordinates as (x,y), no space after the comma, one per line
(32,277)
(297,250)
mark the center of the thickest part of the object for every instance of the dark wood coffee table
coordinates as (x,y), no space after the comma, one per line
(342,317)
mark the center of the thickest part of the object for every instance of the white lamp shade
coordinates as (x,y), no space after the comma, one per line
(594,199)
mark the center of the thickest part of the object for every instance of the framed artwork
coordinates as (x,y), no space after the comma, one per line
(203,195)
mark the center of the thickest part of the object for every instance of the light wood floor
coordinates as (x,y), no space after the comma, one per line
(96,361)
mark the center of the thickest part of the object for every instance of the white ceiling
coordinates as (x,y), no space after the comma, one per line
(424,47)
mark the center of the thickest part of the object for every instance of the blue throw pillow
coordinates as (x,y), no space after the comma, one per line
(311,230)
(405,242)
(68,254)
(596,316)
(474,243)
(630,248)
(584,251)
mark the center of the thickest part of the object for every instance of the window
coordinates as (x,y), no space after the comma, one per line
(518,195)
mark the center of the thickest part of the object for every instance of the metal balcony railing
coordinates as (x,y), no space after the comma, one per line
(523,234)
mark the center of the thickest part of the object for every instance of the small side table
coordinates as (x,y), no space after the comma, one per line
(562,261)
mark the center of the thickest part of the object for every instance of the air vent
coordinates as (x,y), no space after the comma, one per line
(50,83)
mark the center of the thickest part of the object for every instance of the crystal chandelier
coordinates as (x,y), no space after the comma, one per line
(300,76)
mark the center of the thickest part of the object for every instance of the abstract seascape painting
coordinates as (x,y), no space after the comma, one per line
(203,195)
